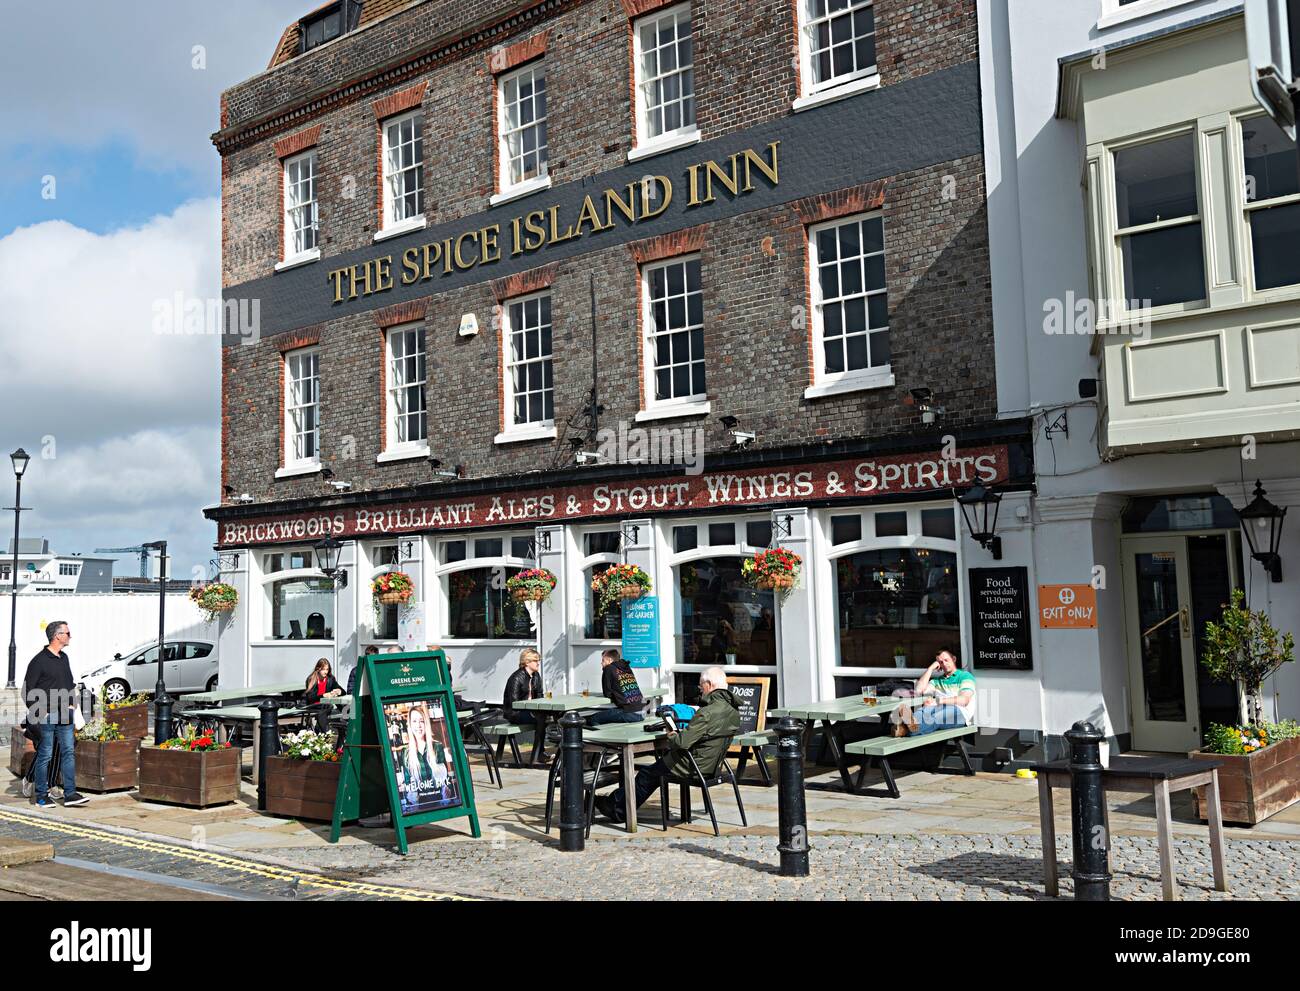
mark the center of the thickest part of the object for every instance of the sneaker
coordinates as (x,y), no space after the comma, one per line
(606,807)
(46,803)
(76,798)
(29,786)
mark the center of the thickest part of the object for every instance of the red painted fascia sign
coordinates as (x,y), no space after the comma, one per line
(857,479)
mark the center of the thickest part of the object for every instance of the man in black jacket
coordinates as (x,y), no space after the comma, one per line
(618,682)
(51,698)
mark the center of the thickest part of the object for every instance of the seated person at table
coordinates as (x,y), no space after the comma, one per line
(618,682)
(356,668)
(524,684)
(707,737)
(949,699)
(321,685)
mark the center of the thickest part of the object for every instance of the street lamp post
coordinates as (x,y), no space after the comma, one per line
(162,702)
(20,460)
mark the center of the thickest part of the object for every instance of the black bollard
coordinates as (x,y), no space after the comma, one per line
(793,815)
(268,744)
(573,827)
(162,717)
(1088,815)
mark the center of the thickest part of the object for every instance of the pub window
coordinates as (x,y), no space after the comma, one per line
(384,559)
(846,529)
(674,329)
(328,24)
(891,524)
(1158,223)
(301,223)
(480,608)
(403,155)
(488,547)
(896,607)
(601,542)
(684,538)
(665,77)
(522,128)
(529,373)
(837,43)
(1272,203)
(408,416)
(301,609)
(722,534)
(758,534)
(452,551)
(938,523)
(723,619)
(302,407)
(850,303)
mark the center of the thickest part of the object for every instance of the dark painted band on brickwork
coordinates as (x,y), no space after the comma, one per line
(917,124)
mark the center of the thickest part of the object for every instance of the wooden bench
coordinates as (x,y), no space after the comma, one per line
(753,743)
(881,748)
(509,733)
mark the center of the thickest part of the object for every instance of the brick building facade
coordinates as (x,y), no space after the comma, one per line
(881,135)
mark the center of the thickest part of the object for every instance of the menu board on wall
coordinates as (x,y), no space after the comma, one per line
(999,599)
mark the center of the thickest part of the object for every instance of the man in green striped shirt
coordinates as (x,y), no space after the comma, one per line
(949,698)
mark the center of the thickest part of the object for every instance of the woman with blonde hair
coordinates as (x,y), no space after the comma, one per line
(426,761)
(524,684)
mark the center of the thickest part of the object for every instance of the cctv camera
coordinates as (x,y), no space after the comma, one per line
(340,486)
(743,438)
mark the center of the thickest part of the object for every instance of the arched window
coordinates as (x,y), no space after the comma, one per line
(472,575)
(600,549)
(302,608)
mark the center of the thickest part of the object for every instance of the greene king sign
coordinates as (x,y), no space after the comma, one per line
(859,479)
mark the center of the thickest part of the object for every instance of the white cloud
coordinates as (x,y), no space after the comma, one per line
(130,416)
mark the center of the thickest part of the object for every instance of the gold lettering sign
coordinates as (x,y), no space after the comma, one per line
(538,229)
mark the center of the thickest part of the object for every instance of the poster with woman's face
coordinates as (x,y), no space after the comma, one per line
(422,756)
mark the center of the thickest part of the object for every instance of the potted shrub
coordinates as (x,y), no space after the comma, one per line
(1261,761)
(192,769)
(777,569)
(620,581)
(393,588)
(531,585)
(130,714)
(900,656)
(302,782)
(106,761)
(214,598)
(1260,775)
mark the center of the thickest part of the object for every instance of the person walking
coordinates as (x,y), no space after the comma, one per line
(51,699)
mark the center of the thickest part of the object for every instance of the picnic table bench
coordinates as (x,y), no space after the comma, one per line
(753,743)
(1154,776)
(881,748)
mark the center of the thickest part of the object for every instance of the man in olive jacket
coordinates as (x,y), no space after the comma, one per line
(707,738)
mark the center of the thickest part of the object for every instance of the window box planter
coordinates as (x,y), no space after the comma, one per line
(111,765)
(132,720)
(197,778)
(21,753)
(301,789)
(1253,787)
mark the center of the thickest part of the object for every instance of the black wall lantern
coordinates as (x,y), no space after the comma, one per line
(327,560)
(979,506)
(1261,522)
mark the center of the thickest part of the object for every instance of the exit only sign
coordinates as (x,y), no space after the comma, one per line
(1067,607)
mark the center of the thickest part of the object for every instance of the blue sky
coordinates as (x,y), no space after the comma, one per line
(109,203)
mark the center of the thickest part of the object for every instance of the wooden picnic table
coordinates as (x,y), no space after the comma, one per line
(833,715)
(1154,776)
(629,739)
(252,692)
(554,708)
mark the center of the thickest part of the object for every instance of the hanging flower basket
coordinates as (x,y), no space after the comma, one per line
(531,585)
(214,599)
(620,582)
(462,585)
(392,588)
(776,569)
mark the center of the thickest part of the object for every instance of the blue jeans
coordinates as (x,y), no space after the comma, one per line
(67,759)
(614,715)
(936,717)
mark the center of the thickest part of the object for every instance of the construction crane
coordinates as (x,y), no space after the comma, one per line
(142,551)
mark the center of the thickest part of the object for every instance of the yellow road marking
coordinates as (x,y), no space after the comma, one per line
(231,863)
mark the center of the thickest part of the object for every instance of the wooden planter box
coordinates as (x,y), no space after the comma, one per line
(301,789)
(132,720)
(1254,787)
(199,778)
(108,766)
(21,753)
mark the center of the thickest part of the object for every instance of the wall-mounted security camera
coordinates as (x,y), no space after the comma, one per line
(457,471)
(244,498)
(742,438)
(340,486)
(923,400)
(587,458)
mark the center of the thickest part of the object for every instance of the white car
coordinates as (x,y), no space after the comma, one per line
(188,666)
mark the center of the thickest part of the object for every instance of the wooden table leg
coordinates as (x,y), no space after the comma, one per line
(629,789)
(257,746)
(539,738)
(1047,829)
(1215,815)
(1165,840)
(836,742)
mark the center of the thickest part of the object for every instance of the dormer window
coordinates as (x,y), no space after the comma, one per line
(328,24)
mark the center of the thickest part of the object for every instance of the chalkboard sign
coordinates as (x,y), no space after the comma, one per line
(1000,633)
(403,752)
(751,694)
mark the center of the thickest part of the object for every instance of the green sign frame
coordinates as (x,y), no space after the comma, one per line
(391,688)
